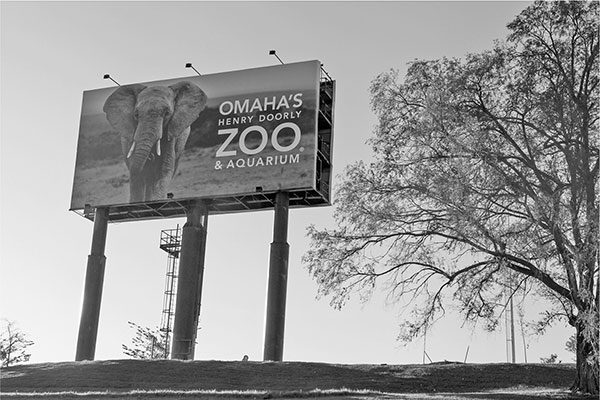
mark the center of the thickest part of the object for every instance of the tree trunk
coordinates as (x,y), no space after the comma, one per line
(587,365)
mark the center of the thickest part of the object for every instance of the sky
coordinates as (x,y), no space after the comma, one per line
(51,52)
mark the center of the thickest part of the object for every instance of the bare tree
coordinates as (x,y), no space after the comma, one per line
(13,345)
(484,180)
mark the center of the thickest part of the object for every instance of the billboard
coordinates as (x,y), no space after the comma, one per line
(209,136)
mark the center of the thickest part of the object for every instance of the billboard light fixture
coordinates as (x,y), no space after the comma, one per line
(107,76)
(274,53)
(189,65)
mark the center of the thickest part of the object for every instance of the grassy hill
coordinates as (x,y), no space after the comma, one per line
(168,379)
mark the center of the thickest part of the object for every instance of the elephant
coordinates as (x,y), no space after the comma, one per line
(142,115)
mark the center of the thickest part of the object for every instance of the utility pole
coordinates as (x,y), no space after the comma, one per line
(509,319)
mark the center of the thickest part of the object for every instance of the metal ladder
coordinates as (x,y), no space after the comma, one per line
(170,242)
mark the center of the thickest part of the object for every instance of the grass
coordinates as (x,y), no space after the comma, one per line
(168,379)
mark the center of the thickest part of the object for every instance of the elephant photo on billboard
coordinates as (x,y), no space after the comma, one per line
(154,125)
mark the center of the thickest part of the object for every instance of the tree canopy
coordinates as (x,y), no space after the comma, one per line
(484,179)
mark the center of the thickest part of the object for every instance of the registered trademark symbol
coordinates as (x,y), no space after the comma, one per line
(301,148)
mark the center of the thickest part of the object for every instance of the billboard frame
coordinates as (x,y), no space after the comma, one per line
(319,195)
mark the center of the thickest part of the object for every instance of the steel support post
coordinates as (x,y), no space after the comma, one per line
(277,286)
(189,282)
(92,292)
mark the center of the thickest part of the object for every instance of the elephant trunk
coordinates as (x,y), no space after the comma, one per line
(139,156)
(147,135)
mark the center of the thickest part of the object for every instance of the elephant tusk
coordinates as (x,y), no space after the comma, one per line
(131,150)
(158,148)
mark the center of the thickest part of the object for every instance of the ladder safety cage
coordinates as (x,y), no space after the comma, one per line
(170,242)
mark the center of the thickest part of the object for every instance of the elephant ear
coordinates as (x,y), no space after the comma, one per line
(190,100)
(119,109)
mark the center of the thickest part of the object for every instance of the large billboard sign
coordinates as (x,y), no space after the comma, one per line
(209,136)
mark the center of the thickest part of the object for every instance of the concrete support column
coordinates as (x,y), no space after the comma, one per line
(92,292)
(277,285)
(189,282)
